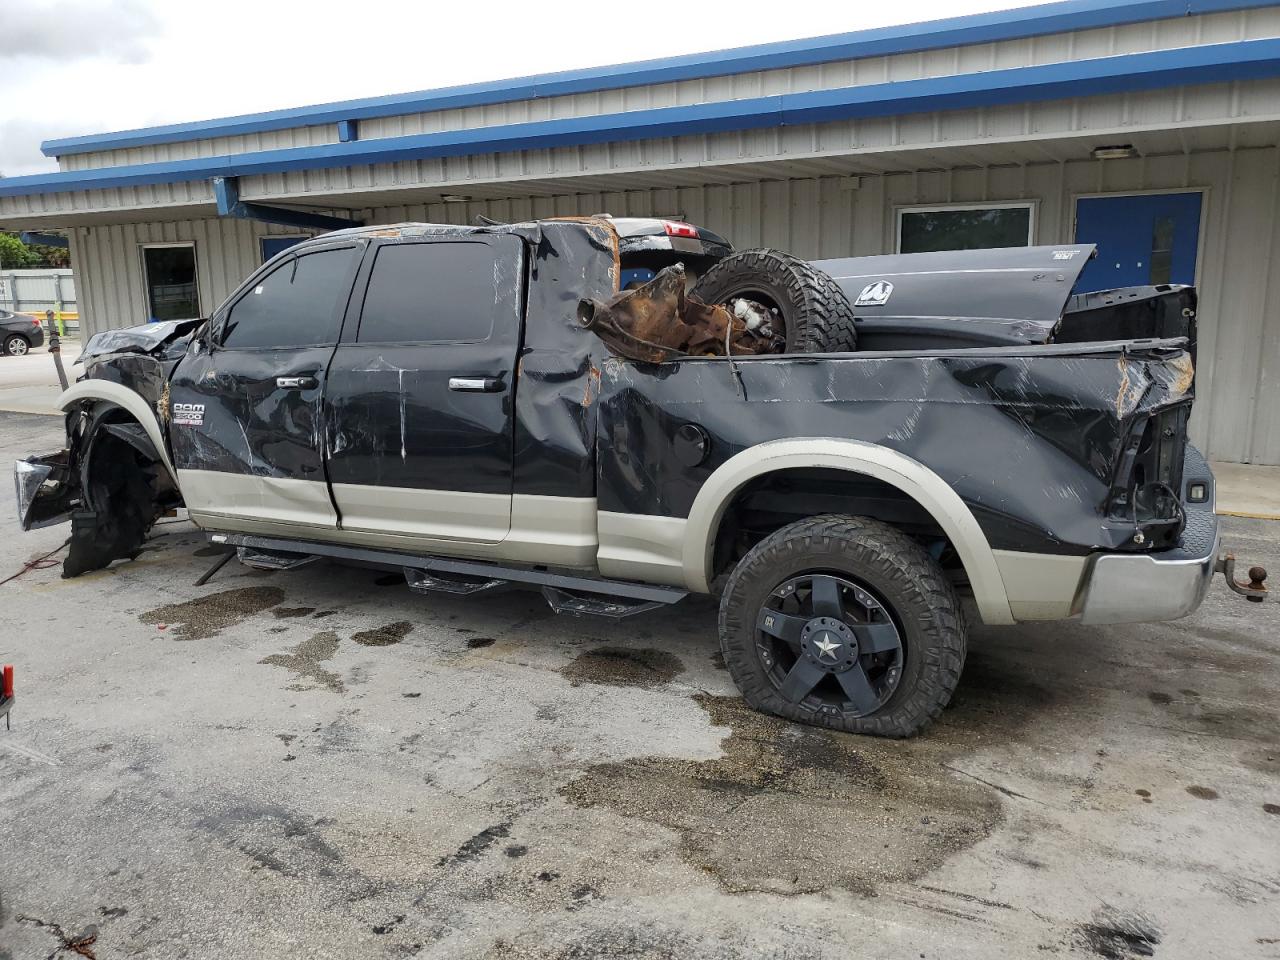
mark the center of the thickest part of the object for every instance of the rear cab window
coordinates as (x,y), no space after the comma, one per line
(443,292)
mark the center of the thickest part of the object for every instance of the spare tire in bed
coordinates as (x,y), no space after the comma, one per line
(814,314)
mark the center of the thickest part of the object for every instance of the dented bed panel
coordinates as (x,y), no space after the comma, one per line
(558,373)
(1029,440)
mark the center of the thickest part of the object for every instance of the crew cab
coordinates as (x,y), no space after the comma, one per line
(465,404)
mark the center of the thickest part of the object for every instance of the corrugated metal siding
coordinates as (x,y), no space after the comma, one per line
(1239,376)
(1078,45)
(1026,128)
(1025,134)
(108,265)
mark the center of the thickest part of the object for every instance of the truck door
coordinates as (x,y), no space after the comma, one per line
(245,408)
(420,396)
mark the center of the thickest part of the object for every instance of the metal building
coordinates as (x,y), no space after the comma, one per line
(1151,127)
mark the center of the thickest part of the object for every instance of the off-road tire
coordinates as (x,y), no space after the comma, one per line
(816,315)
(16,345)
(916,592)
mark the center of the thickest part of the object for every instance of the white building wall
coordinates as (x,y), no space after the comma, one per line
(1239,257)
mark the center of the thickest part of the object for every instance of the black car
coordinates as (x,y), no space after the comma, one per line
(19,333)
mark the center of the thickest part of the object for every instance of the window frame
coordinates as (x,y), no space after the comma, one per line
(195,272)
(218,323)
(1032,206)
(366,284)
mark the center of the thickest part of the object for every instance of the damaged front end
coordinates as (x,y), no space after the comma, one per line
(111,480)
(45,492)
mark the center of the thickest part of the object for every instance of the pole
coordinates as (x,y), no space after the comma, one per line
(57,297)
(55,348)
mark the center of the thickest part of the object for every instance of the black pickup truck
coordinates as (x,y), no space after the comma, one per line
(460,403)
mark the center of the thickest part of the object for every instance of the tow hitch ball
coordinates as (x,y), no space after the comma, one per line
(1254,590)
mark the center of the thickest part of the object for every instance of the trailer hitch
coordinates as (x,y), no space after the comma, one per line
(1254,590)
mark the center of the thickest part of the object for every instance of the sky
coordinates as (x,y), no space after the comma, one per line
(70,67)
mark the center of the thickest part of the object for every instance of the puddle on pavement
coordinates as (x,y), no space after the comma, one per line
(384,635)
(206,616)
(305,659)
(795,809)
(623,667)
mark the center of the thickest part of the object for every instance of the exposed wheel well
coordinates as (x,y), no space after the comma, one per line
(774,500)
(124,486)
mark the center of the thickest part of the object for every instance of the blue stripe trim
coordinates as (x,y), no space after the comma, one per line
(910,38)
(1243,60)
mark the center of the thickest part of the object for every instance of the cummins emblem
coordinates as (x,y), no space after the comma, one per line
(874,294)
(188,414)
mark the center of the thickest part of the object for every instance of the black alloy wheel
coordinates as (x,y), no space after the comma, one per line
(823,636)
(844,622)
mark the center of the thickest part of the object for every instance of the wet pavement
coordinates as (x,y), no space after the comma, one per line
(320,763)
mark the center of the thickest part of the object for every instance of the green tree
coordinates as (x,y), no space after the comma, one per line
(47,256)
(14,253)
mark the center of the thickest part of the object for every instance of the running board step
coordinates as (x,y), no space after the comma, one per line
(420,581)
(565,592)
(597,605)
(261,559)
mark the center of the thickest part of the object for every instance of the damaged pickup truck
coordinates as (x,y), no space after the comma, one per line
(620,413)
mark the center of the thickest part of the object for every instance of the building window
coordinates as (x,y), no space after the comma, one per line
(169,277)
(925,229)
(270,246)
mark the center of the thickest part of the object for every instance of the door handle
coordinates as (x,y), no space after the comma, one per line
(476,384)
(296,383)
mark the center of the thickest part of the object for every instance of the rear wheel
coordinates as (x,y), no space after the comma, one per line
(798,302)
(16,345)
(843,622)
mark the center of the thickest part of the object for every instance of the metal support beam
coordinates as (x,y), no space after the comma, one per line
(226,190)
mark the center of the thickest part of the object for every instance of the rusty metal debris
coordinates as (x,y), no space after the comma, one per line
(659,321)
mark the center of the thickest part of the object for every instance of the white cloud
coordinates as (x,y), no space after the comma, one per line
(114,30)
(135,63)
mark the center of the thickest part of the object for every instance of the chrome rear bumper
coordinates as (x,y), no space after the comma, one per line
(1165,585)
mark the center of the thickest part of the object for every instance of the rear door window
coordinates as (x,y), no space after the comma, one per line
(296,305)
(425,292)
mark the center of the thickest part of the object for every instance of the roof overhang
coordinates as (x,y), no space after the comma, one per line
(1019,23)
(1216,63)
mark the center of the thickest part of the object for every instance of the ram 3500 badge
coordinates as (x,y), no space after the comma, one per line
(620,413)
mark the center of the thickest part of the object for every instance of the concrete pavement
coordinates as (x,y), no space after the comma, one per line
(29,384)
(322,764)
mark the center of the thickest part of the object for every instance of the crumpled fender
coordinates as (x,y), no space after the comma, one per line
(105,391)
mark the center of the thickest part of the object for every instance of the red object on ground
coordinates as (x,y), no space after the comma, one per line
(6,689)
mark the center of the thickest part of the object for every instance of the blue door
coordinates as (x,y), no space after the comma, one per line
(1141,240)
(273,245)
